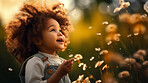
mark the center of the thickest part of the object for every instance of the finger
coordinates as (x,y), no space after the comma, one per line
(68,61)
(69,64)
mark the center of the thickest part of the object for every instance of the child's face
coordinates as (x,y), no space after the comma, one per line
(52,37)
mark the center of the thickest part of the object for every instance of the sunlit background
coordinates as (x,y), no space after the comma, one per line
(99,31)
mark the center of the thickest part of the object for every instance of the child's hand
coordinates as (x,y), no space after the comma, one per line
(65,67)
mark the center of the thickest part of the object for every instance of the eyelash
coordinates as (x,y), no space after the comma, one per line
(59,31)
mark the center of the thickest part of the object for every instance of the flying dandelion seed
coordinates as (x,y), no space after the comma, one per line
(105,23)
(92,58)
(71,55)
(98,81)
(90,27)
(104,52)
(105,66)
(97,49)
(80,77)
(86,80)
(78,56)
(84,67)
(124,74)
(110,42)
(99,63)
(10,69)
(129,35)
(81,64)
(136,34)
(91,76)
(98,34)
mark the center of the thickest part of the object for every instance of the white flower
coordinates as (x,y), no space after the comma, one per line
(117,9)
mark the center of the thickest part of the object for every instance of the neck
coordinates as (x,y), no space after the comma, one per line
(49,52)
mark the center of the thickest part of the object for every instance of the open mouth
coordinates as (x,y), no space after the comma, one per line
(60,40)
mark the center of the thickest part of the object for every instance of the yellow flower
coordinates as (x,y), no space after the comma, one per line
(135,18)
(139,28)
(111,28)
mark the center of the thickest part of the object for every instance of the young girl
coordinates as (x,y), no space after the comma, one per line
(34,37)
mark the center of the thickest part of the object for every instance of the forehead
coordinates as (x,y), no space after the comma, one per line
(51,21)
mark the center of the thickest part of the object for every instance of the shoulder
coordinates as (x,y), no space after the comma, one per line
(34,62)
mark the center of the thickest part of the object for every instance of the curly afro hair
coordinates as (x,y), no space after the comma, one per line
(28,23)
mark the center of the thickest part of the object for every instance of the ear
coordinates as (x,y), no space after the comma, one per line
(37,41)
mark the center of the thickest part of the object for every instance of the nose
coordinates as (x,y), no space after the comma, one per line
(60,34)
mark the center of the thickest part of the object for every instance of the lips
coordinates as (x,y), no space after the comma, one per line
(61,40)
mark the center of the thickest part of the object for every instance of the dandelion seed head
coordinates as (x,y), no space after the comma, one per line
(124,74)
(146,6)
(111,28)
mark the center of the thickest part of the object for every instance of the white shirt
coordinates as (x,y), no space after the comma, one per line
(34,70)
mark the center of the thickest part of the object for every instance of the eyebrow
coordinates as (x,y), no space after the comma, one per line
(54,26)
